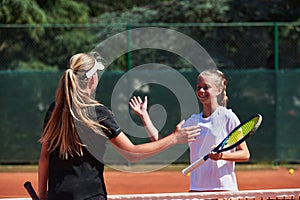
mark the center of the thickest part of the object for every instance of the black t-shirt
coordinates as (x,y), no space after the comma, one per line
(81,177)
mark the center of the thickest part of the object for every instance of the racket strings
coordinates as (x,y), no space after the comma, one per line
(241,132)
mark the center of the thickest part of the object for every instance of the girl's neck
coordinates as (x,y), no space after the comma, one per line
(208,110)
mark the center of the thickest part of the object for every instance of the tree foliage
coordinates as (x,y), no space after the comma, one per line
(42,34)
(27,39)
(265,10)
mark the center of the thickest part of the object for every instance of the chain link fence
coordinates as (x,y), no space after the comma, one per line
(260,60)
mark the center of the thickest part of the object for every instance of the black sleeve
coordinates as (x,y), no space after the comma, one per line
(106,119)
(48,114)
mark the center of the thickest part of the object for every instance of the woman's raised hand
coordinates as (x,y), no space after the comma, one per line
(187,134)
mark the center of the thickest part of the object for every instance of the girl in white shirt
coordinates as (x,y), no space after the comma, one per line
(216,122)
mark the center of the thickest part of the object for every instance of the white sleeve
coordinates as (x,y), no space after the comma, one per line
(232,121)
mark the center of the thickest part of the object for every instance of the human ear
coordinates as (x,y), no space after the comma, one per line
(91,82)
(220,89)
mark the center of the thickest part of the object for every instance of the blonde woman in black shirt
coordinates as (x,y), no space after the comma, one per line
(67,169)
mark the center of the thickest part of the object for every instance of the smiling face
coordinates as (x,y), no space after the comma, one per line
(207,89)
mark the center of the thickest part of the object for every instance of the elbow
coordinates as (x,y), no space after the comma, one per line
(132,157)
(135,157)
(43,161)
(246,158)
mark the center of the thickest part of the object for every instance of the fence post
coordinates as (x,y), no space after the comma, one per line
(128,69)
(276,74)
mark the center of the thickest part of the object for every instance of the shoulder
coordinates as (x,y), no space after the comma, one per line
(231,118)
(106,118)
(103,111)
(228,113)
(102,108)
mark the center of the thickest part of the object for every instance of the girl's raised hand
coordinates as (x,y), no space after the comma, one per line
(138,106)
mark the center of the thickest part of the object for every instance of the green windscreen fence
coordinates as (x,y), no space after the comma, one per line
(25,97)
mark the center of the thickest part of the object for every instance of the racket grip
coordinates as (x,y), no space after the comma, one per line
(194,165)
(31,191)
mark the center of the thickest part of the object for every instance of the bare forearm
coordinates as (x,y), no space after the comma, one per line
(140,108)
(135,153)
(150,128)
(237,156)
(241,154)
(138,152)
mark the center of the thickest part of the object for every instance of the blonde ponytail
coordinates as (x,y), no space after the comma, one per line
(71,103)
(222,98)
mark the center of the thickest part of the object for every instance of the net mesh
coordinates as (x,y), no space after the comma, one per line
(293,193)
(236,195)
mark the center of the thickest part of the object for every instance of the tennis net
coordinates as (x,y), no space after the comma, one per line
(276,194)
(236,195)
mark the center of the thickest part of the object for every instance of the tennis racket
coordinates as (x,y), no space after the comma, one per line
(234,138)
(31,191)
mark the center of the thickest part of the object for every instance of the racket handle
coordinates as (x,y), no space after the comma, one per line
(194,165)
(31,191)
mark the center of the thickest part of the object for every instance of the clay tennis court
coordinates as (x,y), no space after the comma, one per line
(11,183)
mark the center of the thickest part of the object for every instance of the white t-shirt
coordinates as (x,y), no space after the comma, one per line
(212,175)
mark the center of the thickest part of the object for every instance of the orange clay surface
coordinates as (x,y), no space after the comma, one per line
(11,183)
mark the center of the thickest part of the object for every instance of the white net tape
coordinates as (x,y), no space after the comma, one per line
(293,193)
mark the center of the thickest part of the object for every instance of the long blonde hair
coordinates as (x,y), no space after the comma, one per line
(71,102)
(220,81)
